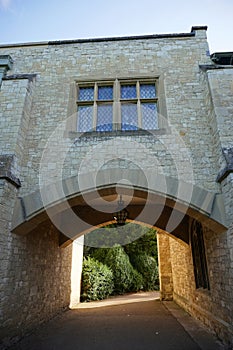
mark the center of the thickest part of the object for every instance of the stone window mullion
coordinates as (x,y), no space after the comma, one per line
(95,107)
(116,105)
(139,106)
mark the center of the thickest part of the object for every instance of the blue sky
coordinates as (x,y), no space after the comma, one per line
(43,20)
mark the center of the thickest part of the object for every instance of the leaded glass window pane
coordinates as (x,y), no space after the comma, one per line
(105,93)
(147,91)
(96,105)
(86,94)
(129,118)
(104,118)
(149,116)
(199,257)
(128,92)
(85,117)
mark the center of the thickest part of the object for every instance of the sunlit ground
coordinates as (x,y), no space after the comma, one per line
(121,299)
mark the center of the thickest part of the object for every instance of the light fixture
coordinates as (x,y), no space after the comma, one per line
(121,213)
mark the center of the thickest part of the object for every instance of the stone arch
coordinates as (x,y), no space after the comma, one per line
(169,203)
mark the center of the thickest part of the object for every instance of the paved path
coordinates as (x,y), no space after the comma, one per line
(133,322)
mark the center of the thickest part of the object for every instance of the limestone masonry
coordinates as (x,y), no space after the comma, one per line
(80,120)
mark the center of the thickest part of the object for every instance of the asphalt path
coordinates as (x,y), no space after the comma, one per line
(131,323)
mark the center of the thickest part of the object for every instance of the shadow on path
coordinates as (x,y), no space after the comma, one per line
(131,322)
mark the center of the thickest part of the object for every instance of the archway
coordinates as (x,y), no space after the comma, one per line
(161,202)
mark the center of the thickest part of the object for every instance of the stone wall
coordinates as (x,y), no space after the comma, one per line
(38,114)
(213,307)
(174,60)
(221,87)
(35,281)
(165,267)
(34,271)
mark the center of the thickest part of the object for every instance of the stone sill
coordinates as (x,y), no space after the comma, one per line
(120,133)
(30,77)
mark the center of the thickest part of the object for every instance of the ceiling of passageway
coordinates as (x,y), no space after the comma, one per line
(147,209)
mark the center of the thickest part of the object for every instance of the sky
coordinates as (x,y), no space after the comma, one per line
(24,21)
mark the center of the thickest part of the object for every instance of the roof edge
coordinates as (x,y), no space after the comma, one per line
(103,39)
(122,38)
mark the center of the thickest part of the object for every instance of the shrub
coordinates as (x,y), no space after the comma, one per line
(148,268)
(100,254)
(125,277)
(146,244)
(97,280)
(137,281)
(134,266)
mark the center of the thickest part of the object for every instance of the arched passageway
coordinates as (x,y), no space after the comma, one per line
(173,207)
(75,206)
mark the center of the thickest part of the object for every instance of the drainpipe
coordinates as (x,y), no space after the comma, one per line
(6,63)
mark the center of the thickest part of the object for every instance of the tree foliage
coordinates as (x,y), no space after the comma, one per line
(145,244)
(147,266)
(125,277)
(133,266)
(97,280)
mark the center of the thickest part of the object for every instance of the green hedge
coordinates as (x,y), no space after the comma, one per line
(97,280)
(146,244)
(147,266)
(100,254)
(125,277)
(133,267)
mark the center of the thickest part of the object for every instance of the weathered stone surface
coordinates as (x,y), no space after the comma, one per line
(38,118)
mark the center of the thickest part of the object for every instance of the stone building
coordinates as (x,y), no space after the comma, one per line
(84,121)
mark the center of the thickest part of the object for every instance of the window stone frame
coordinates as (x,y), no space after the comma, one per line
(117,102)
